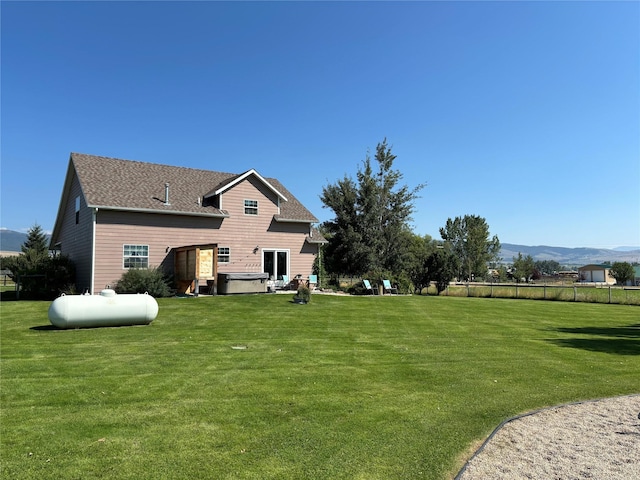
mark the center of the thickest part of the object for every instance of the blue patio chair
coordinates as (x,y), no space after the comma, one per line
(368,287)
(283,283)
(386,287)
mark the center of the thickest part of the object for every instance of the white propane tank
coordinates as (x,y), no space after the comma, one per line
(105,310)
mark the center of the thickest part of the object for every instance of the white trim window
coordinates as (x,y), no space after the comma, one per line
(224,255)
(251,207)
(135,256)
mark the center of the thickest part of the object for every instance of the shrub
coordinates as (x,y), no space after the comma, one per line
(140,280)
(41,277)
(303,295)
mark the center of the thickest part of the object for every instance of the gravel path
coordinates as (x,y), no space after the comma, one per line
(598,439)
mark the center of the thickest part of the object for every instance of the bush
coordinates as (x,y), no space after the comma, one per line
(41,277)
(303,295)
(144,280)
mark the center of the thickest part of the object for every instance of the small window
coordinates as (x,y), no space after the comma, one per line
(224,255)
(77,210)
(250,207)
(135,256)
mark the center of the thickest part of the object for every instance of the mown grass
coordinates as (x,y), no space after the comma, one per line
(577,293)
(342,388)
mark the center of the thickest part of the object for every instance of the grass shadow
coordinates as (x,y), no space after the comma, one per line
(604,345)
(8,296)
(630,331)
(624,340)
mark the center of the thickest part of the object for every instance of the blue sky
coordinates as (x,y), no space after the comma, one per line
(525,113)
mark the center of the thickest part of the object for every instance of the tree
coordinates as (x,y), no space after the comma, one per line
(35,248)
(36,241)
(441,267)
(370,231)
(547,267)
(40,275)
(622,272)
(523,267)
(419,250)
(345,251)
(467,238)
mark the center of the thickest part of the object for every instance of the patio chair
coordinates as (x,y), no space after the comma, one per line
(369,288)
(313,282)
(386,287)
(283,283)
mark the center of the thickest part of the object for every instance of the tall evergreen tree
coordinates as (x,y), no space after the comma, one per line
(372,217)
(35,248)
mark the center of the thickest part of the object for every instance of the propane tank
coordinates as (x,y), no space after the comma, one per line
(105,310)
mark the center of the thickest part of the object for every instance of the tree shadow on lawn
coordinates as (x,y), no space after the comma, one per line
(624,340)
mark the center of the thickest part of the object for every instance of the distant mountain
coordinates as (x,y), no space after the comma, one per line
(11,241)
(569,256)
(626,249)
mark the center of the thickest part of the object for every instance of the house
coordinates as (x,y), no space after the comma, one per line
(119,214)
(596,274)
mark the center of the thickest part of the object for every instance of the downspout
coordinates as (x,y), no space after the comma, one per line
(93,248)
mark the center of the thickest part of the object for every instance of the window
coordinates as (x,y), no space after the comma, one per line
(77,210)
(135,256)
(250,207)
(224,255)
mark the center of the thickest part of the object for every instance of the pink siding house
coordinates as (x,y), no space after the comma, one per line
(118,214)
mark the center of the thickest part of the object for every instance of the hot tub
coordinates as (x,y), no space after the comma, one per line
(230,283)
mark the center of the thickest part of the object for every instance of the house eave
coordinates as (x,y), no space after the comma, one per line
(156,211)
(315,242)
(291,220)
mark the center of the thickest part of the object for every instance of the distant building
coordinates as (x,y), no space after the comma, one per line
(595,273)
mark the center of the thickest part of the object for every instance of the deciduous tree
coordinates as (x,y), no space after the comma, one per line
(622,272)
(467,238)
(523,267)
(441,267)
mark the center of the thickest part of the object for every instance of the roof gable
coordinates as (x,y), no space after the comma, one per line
(231,182)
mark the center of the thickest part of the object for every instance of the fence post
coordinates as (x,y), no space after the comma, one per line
(545,290)
(516,290)
(575,293)
(609,293)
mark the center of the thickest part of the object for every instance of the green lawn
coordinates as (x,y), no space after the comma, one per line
(343,388)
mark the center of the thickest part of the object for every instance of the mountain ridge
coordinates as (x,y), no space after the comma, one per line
(11,240)
(569,256)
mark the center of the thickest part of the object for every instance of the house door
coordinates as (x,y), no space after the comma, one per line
(275,263)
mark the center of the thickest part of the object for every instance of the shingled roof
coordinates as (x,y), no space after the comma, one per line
(116,184)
